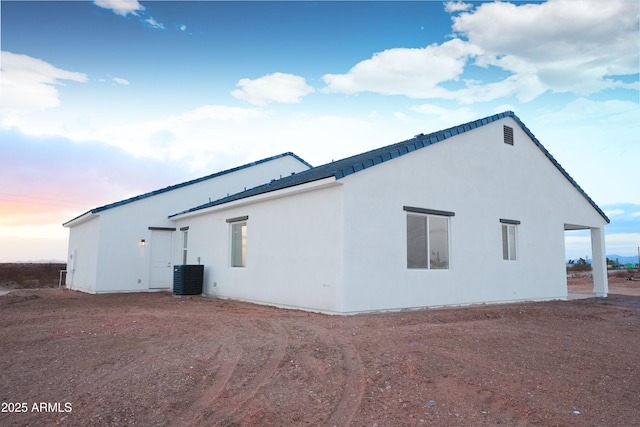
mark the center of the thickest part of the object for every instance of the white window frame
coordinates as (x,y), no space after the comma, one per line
(510,251)
(429,214)
(185,243)
(234,224)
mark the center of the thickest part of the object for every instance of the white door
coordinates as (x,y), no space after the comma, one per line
(161,275)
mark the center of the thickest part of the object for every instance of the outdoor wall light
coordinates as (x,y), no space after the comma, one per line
(143,242)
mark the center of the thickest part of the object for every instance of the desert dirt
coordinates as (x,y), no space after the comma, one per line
(155,359)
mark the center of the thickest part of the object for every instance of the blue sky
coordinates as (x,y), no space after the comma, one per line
(102,100)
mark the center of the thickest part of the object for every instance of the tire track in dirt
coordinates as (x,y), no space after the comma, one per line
(221,403)
(228,355)
(353,386)
(280,339)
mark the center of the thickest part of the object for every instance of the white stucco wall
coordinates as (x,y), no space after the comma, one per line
(120,264)
(294,251)
(342,248)
(82,256)
(123,263)
(480,179)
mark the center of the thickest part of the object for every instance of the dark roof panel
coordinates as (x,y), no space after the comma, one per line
(185,184)
(350,165)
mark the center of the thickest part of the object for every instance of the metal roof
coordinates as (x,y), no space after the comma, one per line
(350,165)
(185,184)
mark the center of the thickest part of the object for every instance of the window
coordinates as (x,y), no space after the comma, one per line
(508,135)
(185,241)
(238,241)
(509,239)
(427,238)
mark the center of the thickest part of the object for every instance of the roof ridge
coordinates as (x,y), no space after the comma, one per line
(353,164)
(194,181)
(422,140)
(188,183)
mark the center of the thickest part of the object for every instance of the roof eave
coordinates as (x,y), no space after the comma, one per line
(282,192)
(193,181)
(559,167)
(80,219)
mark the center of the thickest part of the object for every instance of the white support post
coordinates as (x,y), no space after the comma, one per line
(60,281)
(599,263)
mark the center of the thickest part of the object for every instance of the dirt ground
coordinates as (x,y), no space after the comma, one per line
(161,360)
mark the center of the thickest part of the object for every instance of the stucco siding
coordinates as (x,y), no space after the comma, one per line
(335,239)
(293,253)
(120,263)
(82,258)
(482,180)
(123,261)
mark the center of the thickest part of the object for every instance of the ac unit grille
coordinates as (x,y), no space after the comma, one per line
(187,279)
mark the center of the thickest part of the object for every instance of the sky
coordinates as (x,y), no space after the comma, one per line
(103,100)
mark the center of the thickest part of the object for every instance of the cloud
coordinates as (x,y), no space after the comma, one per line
(415,73)
(154,24)
(584,120)
(183,27)
(28,84)
(524,86)
(125,7)
(578,243)
(457,6)
(625,218)
(574,46)
(53,179)
(50,180)
(582,109)
(121,81)
(560,45)
(193,138)
(622,243)
(218,113)
(120,7)
(277,87)
(200,138)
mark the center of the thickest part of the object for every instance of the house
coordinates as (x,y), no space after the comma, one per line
(471,214)
(127,246)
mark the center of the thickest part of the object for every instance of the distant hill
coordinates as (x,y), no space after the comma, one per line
(42,261)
